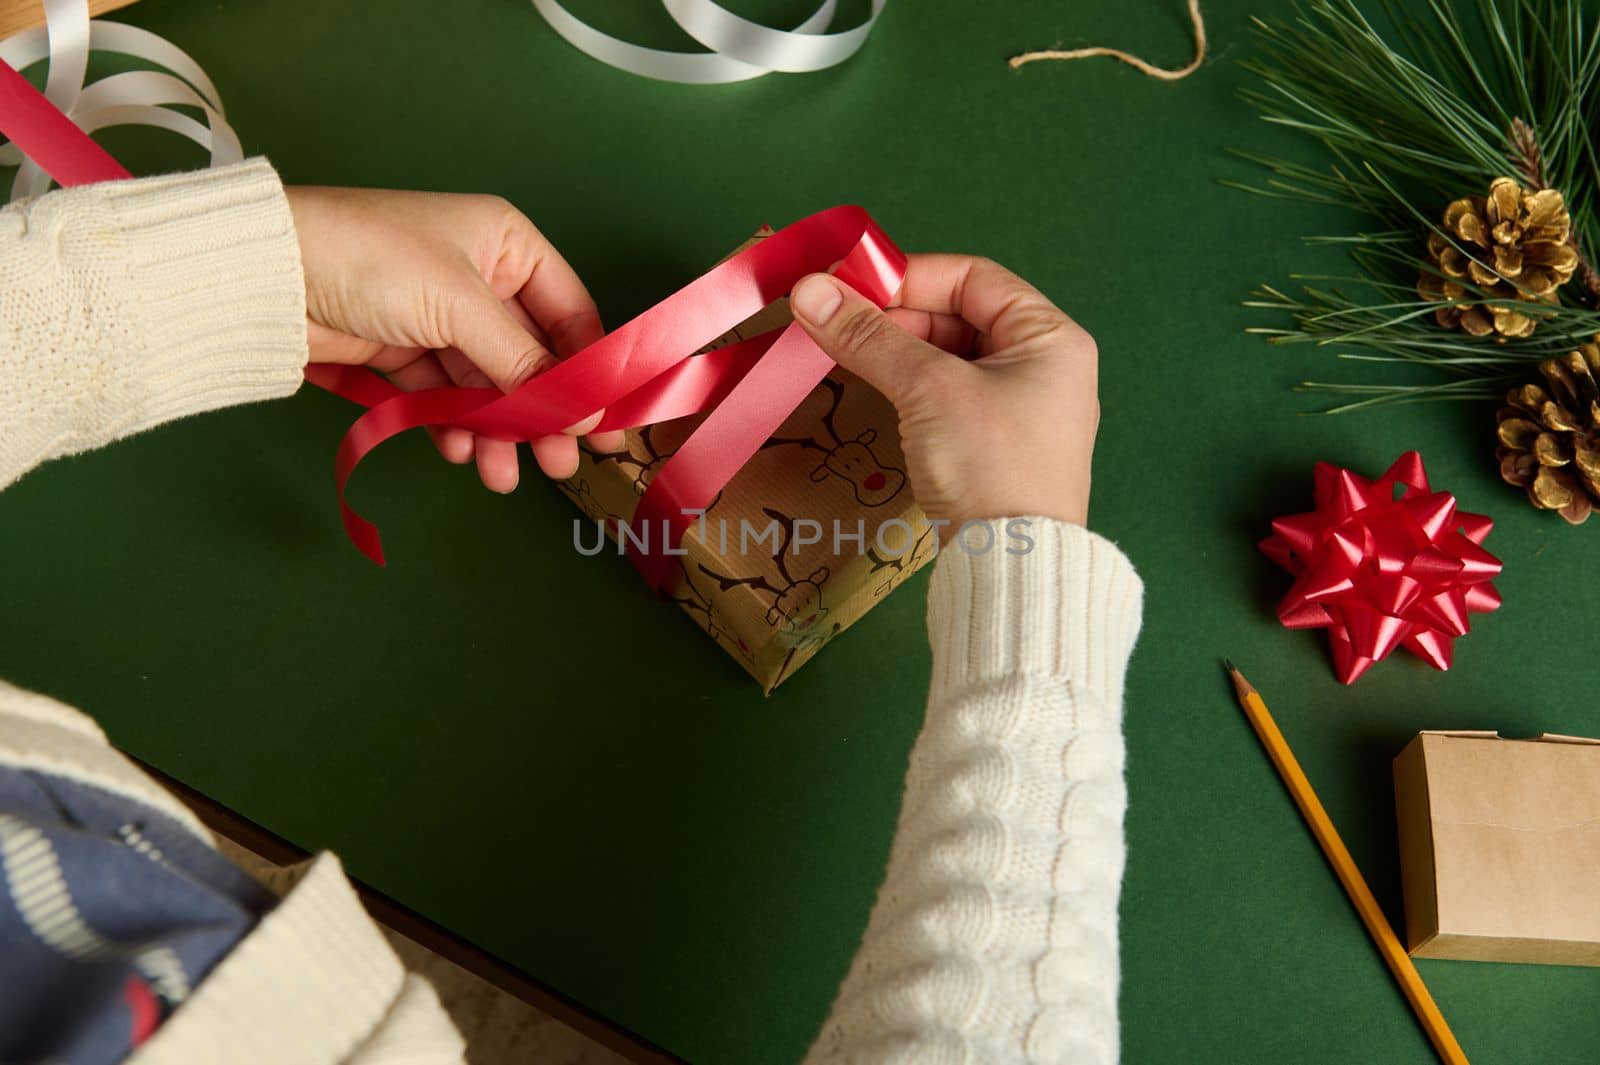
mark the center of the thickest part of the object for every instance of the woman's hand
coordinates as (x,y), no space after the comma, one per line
(1007,429)
(436,289)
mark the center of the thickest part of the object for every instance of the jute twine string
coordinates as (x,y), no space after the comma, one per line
(1132,60)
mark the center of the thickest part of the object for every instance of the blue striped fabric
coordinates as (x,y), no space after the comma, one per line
(111,913)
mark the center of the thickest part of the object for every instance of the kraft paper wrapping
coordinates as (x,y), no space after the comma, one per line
(750,580)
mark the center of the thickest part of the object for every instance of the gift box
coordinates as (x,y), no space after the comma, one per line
(1500,847)
(815,529)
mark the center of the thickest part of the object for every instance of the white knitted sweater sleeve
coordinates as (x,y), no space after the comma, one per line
(994,935)
(131,303)
(122,306)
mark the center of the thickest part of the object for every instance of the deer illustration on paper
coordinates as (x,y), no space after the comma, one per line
(873,482)
(810,642)
(641,469)
(578,489)
(899,566)
(697,603)
(796,602)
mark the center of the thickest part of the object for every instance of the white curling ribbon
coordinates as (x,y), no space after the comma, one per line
(740,49)
(136,98)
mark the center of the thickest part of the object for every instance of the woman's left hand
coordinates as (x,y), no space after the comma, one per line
(435,289)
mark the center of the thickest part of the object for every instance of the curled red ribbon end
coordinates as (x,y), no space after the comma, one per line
(1384,564)
(647,372)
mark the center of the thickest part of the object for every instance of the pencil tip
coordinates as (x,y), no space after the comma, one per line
(1240,685)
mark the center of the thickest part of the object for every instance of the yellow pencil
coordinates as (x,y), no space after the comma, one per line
(1344,867)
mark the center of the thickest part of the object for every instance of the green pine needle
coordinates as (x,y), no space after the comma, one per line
(1414,113)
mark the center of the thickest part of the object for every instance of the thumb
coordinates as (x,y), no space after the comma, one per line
(860,337)
(480,327)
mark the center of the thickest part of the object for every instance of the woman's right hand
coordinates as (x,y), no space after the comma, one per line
(996,388)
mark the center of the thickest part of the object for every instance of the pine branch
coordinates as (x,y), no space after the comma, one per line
(1430,109)
(1525,153)
(1530,167)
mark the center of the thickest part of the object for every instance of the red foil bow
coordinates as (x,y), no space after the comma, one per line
(1384,564)
(644,372)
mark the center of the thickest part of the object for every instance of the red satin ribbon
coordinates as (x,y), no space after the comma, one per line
(1380,572)
(40,131)
(644,372)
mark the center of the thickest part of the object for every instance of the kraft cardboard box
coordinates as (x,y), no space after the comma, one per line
(764,574)
(1500,847)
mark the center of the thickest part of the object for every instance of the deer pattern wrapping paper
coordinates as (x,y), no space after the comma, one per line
(816,528)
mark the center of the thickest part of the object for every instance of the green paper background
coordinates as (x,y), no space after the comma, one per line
(526,748)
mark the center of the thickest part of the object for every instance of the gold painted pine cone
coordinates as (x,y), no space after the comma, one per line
(1512,245)
(1550,436)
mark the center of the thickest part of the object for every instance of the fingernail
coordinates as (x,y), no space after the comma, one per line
(815,299)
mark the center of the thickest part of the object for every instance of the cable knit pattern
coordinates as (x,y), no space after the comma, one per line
(994,936)
(132,303)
